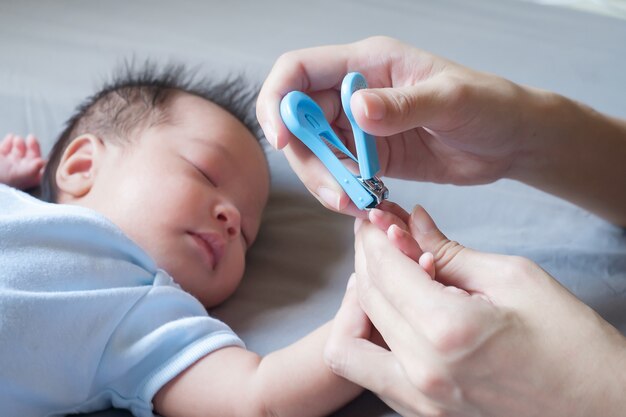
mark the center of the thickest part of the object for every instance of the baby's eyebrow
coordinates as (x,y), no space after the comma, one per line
(208,143)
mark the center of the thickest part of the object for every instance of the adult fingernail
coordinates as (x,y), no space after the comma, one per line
(421,220)
(373,105)
(270,133)
(328,196)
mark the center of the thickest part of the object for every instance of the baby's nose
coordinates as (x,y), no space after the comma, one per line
(230,217)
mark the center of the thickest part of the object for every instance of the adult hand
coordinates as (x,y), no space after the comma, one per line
(493,335)
(438,122)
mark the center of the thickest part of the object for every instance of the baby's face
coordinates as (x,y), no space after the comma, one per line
(191,193)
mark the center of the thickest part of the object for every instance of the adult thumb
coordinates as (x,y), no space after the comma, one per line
(455,265)
(388,111)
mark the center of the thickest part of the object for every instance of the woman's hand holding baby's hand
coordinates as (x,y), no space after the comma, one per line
(470,342)
(351,322)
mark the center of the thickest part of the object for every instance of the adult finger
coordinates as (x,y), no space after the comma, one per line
(376,369)
(319,181)
(421,362)
(388,111)
(307,70)
(324,67)
(377,259)
(346,333)
(388,210)
(365,363)
(368,365)
(353,321)
(404,241)
(312,172)
(455,264)
(394,289)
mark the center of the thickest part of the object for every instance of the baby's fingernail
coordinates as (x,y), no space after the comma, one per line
(270,133)
(328,196)
(374,106)
(374,214)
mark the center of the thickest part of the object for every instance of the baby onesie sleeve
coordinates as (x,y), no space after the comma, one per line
(164,333)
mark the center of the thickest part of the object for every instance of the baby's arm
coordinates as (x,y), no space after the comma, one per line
(294,381)
(232,381)
(20,161)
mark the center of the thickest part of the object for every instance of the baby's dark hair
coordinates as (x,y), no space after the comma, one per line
(138,98)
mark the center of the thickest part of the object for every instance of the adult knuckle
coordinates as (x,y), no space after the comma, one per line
(286,59)
(447,336)
(457,91)
(519,269)
(446,252)
(382,41)
(402,104)
(523,264)
(433,383)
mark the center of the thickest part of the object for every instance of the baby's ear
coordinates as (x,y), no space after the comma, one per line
(77,169)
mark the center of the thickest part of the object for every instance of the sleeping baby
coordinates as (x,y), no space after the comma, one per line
(153,195)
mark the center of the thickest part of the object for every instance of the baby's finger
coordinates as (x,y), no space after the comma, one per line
(19,147)
(403,240)
(32,146)
(385,219)
(427,261)
(6,144)
(396,209)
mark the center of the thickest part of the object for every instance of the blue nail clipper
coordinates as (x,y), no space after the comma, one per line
(305,119)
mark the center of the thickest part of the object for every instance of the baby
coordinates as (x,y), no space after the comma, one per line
(158,184)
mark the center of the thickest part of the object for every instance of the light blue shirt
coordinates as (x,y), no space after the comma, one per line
(87,320)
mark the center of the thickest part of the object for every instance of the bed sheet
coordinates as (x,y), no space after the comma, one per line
(53,54)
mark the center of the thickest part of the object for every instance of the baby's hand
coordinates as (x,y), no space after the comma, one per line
(21,164)
(392,219)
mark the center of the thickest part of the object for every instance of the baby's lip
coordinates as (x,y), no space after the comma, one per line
(212,245)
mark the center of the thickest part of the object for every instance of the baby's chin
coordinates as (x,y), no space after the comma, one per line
(210,288)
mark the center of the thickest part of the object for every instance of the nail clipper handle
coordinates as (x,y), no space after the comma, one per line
(305,119)
(366,153)
(365,143)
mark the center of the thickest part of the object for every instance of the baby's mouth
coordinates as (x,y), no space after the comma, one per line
(212,247)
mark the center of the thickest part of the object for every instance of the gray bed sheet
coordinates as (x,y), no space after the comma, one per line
(53,54)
